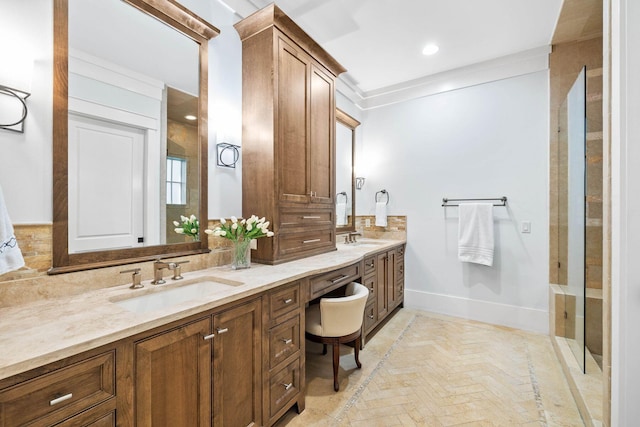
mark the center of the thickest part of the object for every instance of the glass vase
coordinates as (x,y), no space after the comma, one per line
(241,254)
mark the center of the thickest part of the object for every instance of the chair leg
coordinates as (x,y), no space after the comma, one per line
(324,349)
(336,364)
(357,352)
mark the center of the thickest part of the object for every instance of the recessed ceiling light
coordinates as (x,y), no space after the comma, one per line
(430,49)
(190,117)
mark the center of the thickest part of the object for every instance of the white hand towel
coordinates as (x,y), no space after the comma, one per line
(381,214)
(10,255)
(341,213)
(475,233)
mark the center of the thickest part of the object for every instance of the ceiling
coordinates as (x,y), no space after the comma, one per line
(380,42)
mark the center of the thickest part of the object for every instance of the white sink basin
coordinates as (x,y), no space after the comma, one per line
(366,243)
(202,289)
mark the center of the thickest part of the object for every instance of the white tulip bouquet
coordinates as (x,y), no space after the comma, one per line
(244,229)
(190,226)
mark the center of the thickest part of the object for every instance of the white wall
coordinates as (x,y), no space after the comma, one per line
(488,140)
(26,30)
(625,212)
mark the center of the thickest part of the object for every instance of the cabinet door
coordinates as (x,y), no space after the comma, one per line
(173,377)
(237,388)
(392,294)
(292,113)
(322,137)
(382,291)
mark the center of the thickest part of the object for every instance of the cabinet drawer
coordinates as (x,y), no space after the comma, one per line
(400,252)
(399,291)
(370,316)
(284,301)
(284,340)
(399,273)
(370,283)
(284,387)
(292,218)
(370,265)
(53,397)
(296,242)
(326,282)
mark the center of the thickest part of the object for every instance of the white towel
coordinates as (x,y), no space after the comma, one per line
(10,255)
(381,214)
(475,233)
(341,213)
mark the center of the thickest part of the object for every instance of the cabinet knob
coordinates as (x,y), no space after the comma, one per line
(60,399)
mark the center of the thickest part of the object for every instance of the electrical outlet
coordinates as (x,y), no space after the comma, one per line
(367,222)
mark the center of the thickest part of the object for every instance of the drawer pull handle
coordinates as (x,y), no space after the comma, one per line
(310,241)
(288,301)
(371,290)
(287,386)
(208,337)
(337,279)
(371,316)
(223,330)
(287,340)
(311,217)
(370,265)
(60,399)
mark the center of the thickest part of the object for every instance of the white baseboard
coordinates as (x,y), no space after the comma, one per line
(527,319)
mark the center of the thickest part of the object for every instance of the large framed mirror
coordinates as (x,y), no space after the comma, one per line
(345,171)
(129,131)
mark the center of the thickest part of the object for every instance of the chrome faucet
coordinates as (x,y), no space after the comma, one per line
(158,266)
(352,236)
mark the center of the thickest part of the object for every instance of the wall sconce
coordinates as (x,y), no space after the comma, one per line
(228,155)
(11,103)
(359,183)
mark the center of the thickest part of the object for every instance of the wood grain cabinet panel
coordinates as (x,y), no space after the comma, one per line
(237,366)
(384,276)
(288,138)
(173,377)
(53,397)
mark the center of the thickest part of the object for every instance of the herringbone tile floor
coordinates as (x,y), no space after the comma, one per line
(423,369)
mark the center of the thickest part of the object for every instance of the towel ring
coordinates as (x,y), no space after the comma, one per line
(342,193)
(383,193)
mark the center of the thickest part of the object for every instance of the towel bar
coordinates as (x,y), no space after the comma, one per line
(502,200)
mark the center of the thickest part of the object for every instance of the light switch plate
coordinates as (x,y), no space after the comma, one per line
(367,222)
(526,226)
(253,244)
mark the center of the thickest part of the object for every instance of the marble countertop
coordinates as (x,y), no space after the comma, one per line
(44,331)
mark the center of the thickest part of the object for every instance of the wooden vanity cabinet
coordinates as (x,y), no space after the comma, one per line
(237,366)
(80,390)
(283,353)
(288,138)
(172,376)
(202,372)
(384,277)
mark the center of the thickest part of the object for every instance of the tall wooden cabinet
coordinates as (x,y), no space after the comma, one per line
(288,136)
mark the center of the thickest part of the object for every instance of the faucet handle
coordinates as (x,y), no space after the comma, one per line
(136,278)
(177,269)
